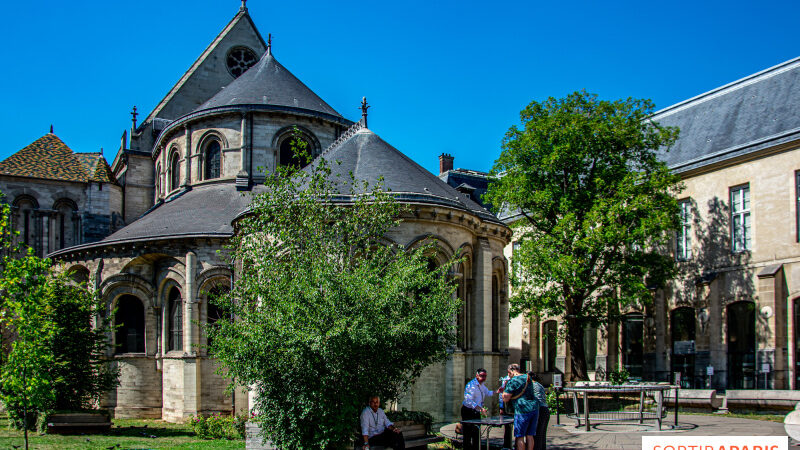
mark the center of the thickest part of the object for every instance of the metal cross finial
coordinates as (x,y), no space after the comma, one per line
(134,114)
(364,108)
(244,5)
(269,43)
(51,128)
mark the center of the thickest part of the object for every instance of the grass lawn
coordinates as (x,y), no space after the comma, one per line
(124,434)
(753,416)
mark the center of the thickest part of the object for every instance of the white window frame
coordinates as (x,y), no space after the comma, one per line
(683,238)
(741,221)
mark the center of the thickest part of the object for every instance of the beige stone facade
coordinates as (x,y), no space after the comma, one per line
(730,318)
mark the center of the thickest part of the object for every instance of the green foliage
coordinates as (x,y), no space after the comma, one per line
(218,426)
(326,313)
(53,358)
(420,417)
(619,375)
(552,403)
(596,209)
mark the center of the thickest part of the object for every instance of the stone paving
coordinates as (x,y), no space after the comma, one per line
(629,436)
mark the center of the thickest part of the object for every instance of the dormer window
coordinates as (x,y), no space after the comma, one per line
(211,160)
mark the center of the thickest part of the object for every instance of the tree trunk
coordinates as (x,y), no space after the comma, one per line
(577,354)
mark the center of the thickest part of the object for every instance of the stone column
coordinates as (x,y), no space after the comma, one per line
(243,177)
(482,319)
(716,336)
(187,179)
(192,364)
(661,317)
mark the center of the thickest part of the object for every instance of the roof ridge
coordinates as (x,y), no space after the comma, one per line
(350,132)
(726,88)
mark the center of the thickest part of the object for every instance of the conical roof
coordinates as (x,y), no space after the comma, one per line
(370,158)
(50,158)
(268,83)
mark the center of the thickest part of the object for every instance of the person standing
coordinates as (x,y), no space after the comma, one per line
(505,409)
(544,413)
(376,429)
(472,408)
(519,392)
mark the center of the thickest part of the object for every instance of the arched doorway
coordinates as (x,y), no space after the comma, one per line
(549,345)
(633,344)
(741,345)
(682,327)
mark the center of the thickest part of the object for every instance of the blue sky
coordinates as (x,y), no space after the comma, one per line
(441,76)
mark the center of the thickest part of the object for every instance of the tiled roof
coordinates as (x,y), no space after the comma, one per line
(50,158)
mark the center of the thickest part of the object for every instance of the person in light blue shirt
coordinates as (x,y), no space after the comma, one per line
(472,408)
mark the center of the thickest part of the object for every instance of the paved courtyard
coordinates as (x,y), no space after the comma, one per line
(629,436)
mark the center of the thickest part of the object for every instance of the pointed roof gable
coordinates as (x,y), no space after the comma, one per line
(240,21)
(370,158)
(269,83)
(50,158)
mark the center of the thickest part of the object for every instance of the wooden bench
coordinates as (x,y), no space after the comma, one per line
(414,434)
(76,423)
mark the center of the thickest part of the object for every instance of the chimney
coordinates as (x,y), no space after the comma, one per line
(445,163)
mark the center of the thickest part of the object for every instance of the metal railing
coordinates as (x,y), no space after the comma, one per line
(600,403)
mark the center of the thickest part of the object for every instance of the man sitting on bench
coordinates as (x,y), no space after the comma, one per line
(376,429)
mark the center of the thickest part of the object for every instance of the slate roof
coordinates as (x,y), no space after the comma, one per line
(368,158)
(468,180)
(748,115)
(269,83)
(204,211)
(50,158)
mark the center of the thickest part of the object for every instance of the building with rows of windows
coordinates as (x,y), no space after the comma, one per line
(178,181)
(731,319)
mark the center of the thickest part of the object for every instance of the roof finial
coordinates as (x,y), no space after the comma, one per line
(51,128)
(244,6)
(269,43)
(134,114)
(364,108)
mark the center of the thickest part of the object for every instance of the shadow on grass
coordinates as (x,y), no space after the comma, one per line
(149,432)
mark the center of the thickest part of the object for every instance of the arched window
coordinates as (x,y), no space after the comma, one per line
(130,322)
(175,319)
(158,181)
(463,319)
(682,329)
(174,172)
(213,311)
(741,345)
(79,274)
(550,345)
(25,219)
(66,231)
(296,151)
(212,160)
(633,344)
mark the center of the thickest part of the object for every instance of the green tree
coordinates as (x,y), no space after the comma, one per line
(595,208)
(53,356)
(325,313)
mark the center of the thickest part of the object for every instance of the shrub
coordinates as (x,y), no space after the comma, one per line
(619,376)
(218,426)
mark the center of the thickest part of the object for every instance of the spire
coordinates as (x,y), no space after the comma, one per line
(51,128)
(134,114)
(244,6)
(269,43)
(364,108)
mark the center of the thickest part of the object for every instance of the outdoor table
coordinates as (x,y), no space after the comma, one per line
(496,421)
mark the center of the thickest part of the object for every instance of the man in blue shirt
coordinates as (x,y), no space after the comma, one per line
(521,394)
(472,408)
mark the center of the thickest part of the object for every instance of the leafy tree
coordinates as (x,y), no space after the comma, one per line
(52,355)
(595,209)
(325,314)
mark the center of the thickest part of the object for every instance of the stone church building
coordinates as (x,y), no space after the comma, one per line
(180,178)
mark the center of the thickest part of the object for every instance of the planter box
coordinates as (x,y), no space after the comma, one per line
(77,423)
